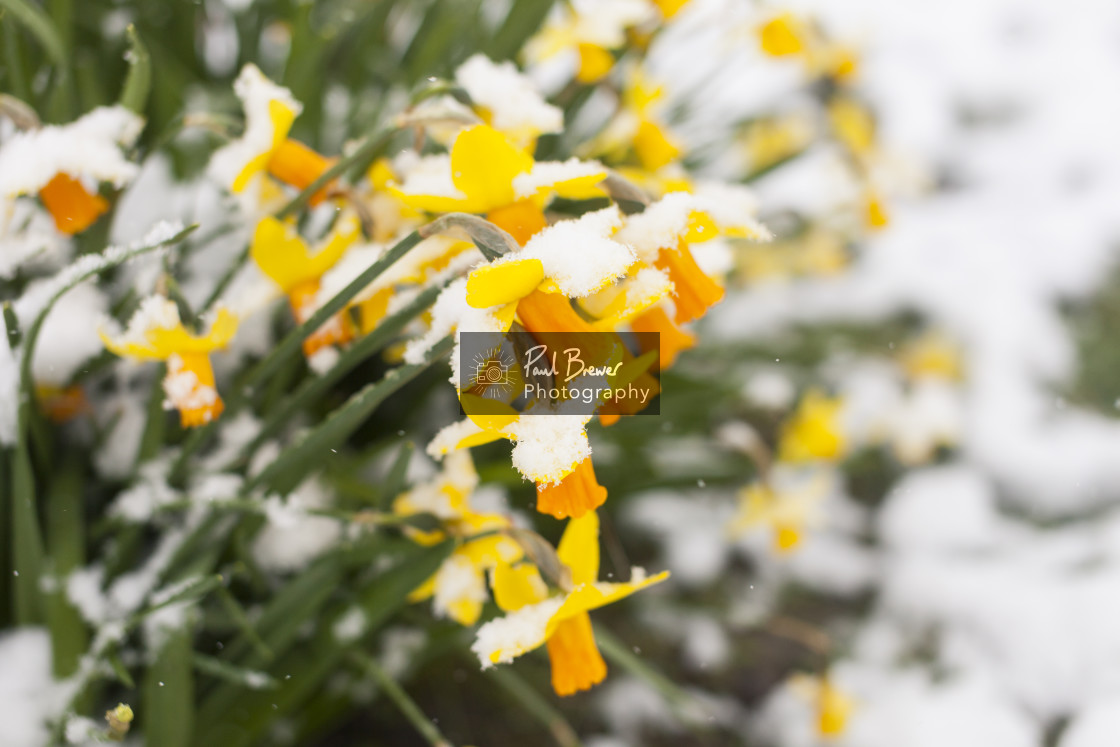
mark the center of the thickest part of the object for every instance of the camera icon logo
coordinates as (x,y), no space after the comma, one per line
(492,372)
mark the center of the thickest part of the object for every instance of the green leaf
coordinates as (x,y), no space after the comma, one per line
(138,83)
(293,341)
(522,21)
(40,25)
(167,710)
(302,458)
(66,541)
(27,541)
(246,678)
(317,386)
(235,718)
(395,481)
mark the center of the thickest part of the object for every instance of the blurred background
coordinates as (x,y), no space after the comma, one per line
(943,289)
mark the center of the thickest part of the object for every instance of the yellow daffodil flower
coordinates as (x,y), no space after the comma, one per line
(559,622)
(284,256)
(592,30)
(459,586)
(832,707)
(770,140)
(813,432)
(932,355)
(489,175)
(662,235)
(787,512)
(265,146)
(155,333)
(788,35)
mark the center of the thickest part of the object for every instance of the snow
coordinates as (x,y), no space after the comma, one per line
(292,538)
(87,147)
(28,694)
(515,106)
(579,254)
(548,447)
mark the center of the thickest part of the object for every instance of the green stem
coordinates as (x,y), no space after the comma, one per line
(401,699)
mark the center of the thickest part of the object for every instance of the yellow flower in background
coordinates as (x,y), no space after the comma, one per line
(155,333)
(638,129)
(265,147)
(772,139)
(786,511)
(559,622)
(832,707)
(285,257)
(591,31)
(932,355)
(458,588)
(852,124)
(783,35)
(813,432)
(789,35)
(487,174)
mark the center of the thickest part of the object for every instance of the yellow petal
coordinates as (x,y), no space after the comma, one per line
(592,596)
(584,187)
(483,165)
(284,256)
(594,63)
(486,413)
(424,590)
(670,8)
(781,36)
(282,118)
(504,283)
(579,548)
(653,146)
(515,587)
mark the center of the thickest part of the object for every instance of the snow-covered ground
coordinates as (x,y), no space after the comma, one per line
(1011,106)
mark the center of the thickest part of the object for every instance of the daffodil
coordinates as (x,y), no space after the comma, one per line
(434,258)
(832,707)
(814,432)
(458,588)
(769,140)
(790,35)
(932,355)
(571,259)
(156,333)
(285,257)
(488,174)
(265,147)
(662,236)
(785,504)
(559,622)
(590,31)
(65,164)
(638,128)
